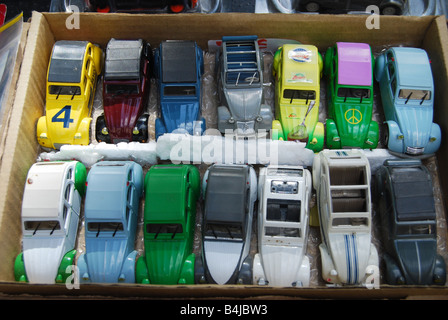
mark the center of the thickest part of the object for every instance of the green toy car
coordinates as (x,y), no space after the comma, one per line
(171,193)
(349,70)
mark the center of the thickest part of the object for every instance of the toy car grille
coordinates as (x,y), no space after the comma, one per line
(414,151)
(288,187)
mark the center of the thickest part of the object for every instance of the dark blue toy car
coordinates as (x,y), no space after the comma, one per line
(404,191)
(179,66)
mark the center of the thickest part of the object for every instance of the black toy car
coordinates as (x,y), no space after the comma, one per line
(404,191)
(387,7)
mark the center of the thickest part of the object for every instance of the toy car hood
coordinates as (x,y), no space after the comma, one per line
(223,259)
(416,133)
(248,101)
(43,256)
(180,116)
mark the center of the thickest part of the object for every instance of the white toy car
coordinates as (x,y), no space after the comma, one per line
(284,194)
(50,217)
(342,182)
(230,192)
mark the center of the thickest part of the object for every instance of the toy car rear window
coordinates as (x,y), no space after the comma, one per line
(49,225)
(412,94)
(242,78)
(179,91)
(65,90)
(283,210)
(299,94)
(350,222)
(356,93)
(122,89)
(226,231)
(416,229)
(282,232)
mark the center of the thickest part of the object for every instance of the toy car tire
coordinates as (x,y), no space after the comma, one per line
(142,127)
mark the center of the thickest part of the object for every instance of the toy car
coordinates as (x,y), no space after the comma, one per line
(171,193)
(349,69)
(149,6)
(71,83)
(297,71)
(387,7)
(125,92)
(342,182)
(179,66)
(240,86)
(407,94)
(230,192)
(408,223)
(114,190)
(284,195)
(50,215)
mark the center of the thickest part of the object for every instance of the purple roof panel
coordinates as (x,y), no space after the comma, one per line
(355,64)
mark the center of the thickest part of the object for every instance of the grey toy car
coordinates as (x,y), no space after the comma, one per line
(240,85)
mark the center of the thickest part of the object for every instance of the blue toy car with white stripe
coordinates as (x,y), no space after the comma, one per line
(114,190)
(407,93)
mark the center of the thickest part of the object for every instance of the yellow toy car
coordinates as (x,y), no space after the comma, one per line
(297,71)
(71,82)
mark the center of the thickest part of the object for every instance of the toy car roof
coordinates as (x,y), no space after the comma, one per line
(123,58)
(414,199)
(226,195)
(300,65)
(354,64)
(413,67)
(66,62)
(178,61)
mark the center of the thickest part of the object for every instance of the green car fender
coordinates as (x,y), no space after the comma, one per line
(19,269)
(80,178)
(373,136)
(141,271)
(187,272)
(65,268)
(316,141)
(333,139)
(277,130)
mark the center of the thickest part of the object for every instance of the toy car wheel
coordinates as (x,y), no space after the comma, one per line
(385,136)
(142,129)
(101,134)
(312,7)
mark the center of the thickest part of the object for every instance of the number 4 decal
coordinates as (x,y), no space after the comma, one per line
(63,116)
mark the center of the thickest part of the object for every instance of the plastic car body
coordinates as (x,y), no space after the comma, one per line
(240,86)
(179,66)
(297,71)
(143,6)
(349,69)
(406,205)
(111,208)
(50,216)
(407,94)
(171,193)
(126,87)
(387,7)
(71,83)
(342,182)
(230,192)
(284,194)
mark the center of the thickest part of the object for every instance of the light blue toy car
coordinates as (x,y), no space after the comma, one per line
(407,93)
(114,190)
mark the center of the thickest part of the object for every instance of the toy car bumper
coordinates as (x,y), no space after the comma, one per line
(228,125)
(48,140)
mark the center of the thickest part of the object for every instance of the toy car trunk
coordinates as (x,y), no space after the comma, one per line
(71,83)
(125,92)
(404,190)
(51,208)
(349,68)
(230,192)
(297,71)
(342,182)
(242,111)
(179,66)
(171,193)
(284,194)
(111,208)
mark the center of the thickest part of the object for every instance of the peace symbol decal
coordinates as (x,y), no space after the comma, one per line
(353,116)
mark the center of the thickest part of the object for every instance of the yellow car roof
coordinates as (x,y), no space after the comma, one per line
(300,65)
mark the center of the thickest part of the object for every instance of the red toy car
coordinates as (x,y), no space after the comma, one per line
(125,92)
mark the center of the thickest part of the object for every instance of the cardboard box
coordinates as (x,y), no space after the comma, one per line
(21,147)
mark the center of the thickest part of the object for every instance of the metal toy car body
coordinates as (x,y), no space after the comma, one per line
(386,7)
(179,66)
(284,195)
(349,68)
(406,204)
(71,83)
(407,93)
(50,216)
(114,190)
(297,70)
(143,6)
(171,193)
(240,87)
(342,182)
(230,192)
(126,87)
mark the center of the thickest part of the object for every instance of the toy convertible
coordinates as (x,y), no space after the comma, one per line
(407,93)
(284,194)
(111,208)
(297,70)
(125,92)
(408,224)
(179,66)
(349,69)
(240,86)
(230,192)
(51,208)
(171,193)
(71,83)
(342,182)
